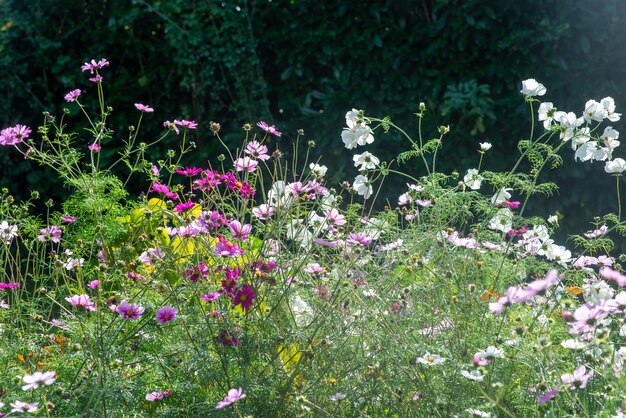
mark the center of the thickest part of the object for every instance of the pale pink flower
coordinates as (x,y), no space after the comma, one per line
(72,95)
(143,108)
(37,379)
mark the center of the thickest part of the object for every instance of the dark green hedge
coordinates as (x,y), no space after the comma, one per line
(303,64)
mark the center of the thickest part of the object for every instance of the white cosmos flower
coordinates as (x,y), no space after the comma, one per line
(573,344)
(431,359)
(546,114)
(553,219)
(472,179)
(502,221)
(485,146)
(594,111)
(502,195)
(7,232)
(357,132)
(532,88)
(37,379)
(609,106)
(362,186)
(366,161)
(490,353)
(318,170)
(473,375)
(302,312)
(615,166)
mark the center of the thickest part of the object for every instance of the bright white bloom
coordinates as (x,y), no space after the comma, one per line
(473,375)
(19,406)
(609,134)
(318,170)
(490,353)
(532,88)
(7,232)
(502,221)
(569,123)
(617,165)
(278,197)
(362,186)
(431,359)
(553,219)
(472,179)
(337,397)
(502,195)
(478,413)
(546,114)
(366,161)
(297,231)
(36,379)
(582,136)
(357,132)
(485,146)
(559,253)
(302,312)
(586,151)
(573,344)
(609,106)
(594,111)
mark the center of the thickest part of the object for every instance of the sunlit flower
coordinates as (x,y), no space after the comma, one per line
(578,379)
(318,170)
(83,301)
(129,311)
(37,379)
(532,88)
(165,314)
(616,166)
(52,233)
(93,65)
(234,395)
(472,179)
(484,146)
(365,161)
(269,129)
(7,232)
(363,186)
(431,359)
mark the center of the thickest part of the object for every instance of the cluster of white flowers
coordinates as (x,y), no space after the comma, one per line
(359,133)
(587,146)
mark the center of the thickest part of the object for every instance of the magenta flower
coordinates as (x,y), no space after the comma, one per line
(160,188)
(94,147)
(93,65)
(549,395)
(191,172)
(234,395)
(228,338)
(68,219)
(226,249)
(246,164)
(233,184)
(52,233)
(83,301)
(360,238)
(210,297)
(97,79)
(143,108)
(269,129)
(129,311)
(14,135)
(166,314)
(94,284)
(244,297)
(198,272)
(72,95)
(181,207)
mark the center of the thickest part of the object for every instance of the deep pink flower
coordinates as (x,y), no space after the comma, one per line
(191,172)
(181,207)
(129,311)
(5,286)
(226,249)
(244,297)
(233,396)
(198,272)
(210,297)
(269,129)
(14,135)
(93,65)
(157,396)
(94,147)
(68,219)
(94,284)
(52,233)
(240,232)
(143,108)
(72,95)
(82,300)
(511,205)
(97,79)
(166,314)
(228,338)
(161,188)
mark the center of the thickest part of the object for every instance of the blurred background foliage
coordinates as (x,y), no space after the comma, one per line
(301,64)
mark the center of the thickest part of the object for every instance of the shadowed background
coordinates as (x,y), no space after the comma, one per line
(302,64)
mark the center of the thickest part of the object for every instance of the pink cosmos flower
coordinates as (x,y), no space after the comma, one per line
(226,249)
(257,151)
(511,205)
(97,79)
(93,65)
(334,217)
(52,233)
(269,129)
(246,164)
(160,188)
(263,212)
(244,297)
(129,311)
(240,232)
(404,199)
(170,125)
(598,232)
(94,147)
(234,395)
(155,170)
(94,284)
(166,314)
(37,379)
(143,108)
(198,272)
(157,396)
(616,276)
(14,135)
(578,379)
(210,297)
(82,300)
(68,219)
(150,255)
(315,269)
(360,238)
(19,406)
(548,396)
(72,95)
(4,286)
(189,124)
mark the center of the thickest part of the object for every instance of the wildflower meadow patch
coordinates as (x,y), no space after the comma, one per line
(256,288)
